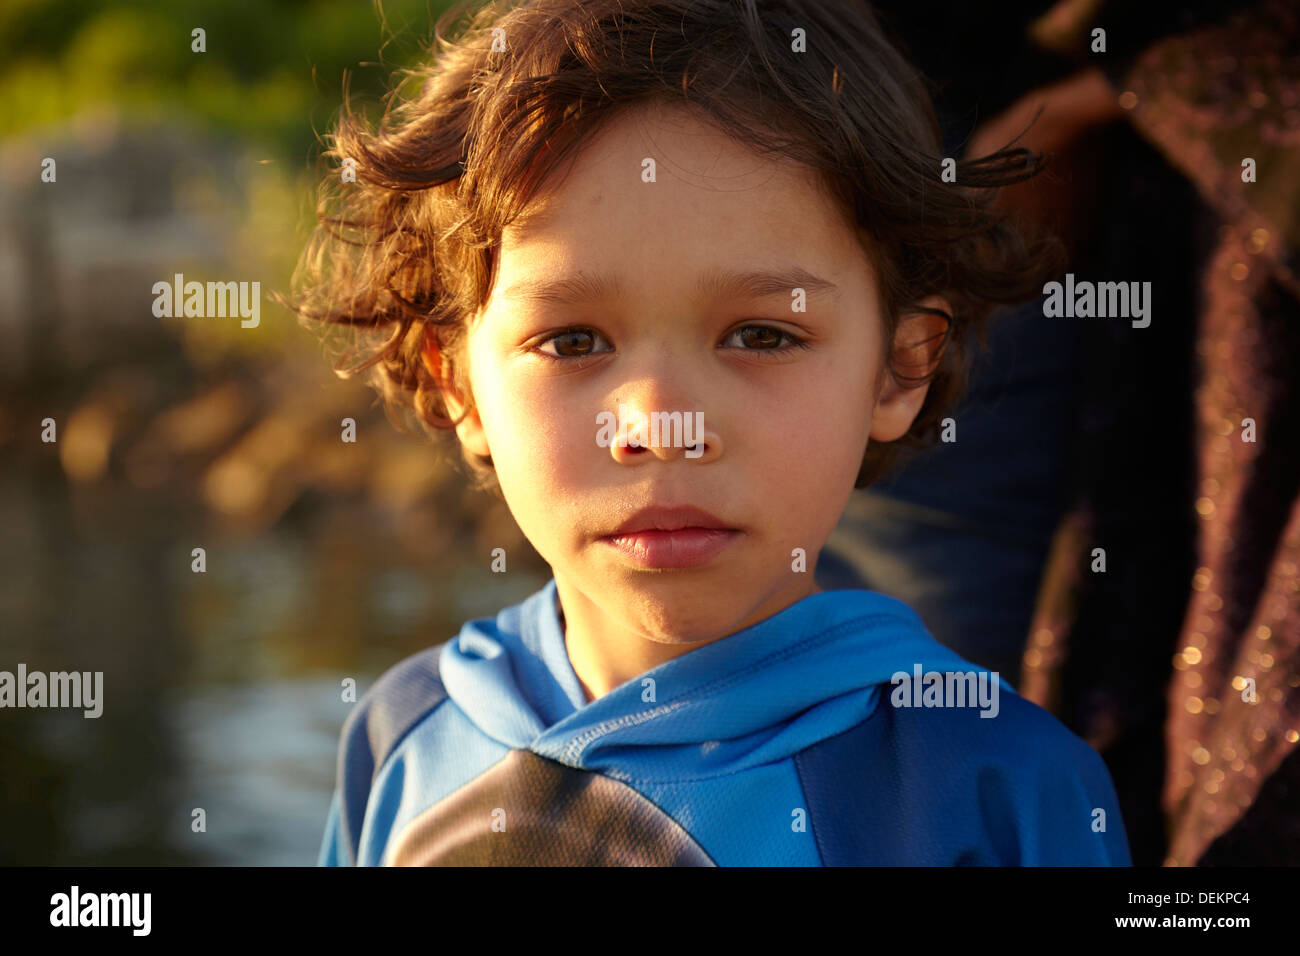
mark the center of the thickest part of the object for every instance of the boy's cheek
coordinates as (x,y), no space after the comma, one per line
(819,440)
(544,459)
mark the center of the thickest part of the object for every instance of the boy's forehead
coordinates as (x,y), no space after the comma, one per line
(658,199)
(596,228)
(589,285)
(667,159)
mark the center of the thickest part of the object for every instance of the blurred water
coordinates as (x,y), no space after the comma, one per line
(259,760)
(324,559)
(222,690)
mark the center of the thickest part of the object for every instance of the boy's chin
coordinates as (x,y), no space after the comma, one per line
(672,607)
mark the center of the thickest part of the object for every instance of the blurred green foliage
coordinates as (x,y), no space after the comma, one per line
(272,72)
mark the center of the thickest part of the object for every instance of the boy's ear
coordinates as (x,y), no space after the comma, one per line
(470,428)
(918,346)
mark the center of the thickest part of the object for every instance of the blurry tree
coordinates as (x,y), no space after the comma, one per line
(272,70)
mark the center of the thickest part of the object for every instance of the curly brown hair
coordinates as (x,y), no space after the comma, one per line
(466,140)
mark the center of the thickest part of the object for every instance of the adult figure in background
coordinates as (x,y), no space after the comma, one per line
(1086,434)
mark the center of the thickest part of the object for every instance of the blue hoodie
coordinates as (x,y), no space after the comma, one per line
(811,738)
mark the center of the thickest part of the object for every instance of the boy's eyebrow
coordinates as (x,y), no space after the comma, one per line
(718,283)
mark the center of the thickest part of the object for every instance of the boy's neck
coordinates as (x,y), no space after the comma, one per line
(601,665)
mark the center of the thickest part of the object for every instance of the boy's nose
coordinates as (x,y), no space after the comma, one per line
(649,434)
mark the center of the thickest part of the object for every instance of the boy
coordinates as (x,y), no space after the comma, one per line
(632,210)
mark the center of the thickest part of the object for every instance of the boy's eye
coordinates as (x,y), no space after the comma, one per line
(580,342)
(763,338)
(572,343)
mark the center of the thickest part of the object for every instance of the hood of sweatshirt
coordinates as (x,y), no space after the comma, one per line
(811,671)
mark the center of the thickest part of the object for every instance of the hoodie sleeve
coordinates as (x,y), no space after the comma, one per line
(355,771)
(1076,818)
(331,851)
(943,786)
(384,715)
(1055,790)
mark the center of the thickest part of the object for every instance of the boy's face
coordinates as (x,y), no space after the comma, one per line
(784,427)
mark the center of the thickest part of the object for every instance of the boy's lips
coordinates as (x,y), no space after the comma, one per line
(680,537)
(659,518)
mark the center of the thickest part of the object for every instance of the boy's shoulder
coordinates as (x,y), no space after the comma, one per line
(399,699)
(402,697)
(1020,788)
(1022,737)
